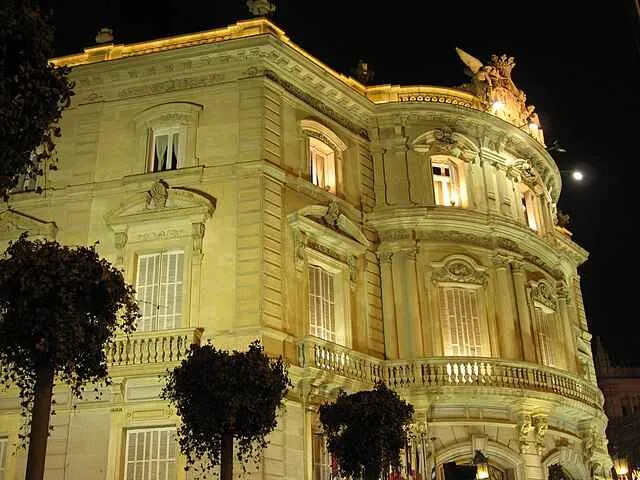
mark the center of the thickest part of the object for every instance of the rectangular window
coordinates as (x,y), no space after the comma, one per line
(545,335)
(321,458)
(322,303)
(4,443)
(460,315)
(151,454)
(323,165)
(165,150)
(159,287)
(444,186)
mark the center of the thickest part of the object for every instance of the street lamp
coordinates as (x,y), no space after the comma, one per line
(482,465)
(621,467)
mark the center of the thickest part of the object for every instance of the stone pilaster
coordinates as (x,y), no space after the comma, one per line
(510,346)
(567,327)
(524,313)
(388,312)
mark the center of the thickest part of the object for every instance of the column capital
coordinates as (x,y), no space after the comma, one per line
(501,261)
(385,257)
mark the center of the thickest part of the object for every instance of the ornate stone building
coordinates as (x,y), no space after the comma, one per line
(403,234)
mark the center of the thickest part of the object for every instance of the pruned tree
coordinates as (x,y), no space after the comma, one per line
(33,93)
(221,397)
(366,431)
(59,307)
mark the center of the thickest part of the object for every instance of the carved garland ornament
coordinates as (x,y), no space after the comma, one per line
(459,271)
(542,293)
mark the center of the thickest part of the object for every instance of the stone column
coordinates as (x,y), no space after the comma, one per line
(388,311)
(567,327)
(524,313)
(510,345)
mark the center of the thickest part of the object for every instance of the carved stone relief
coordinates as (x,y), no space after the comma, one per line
(461,271)
(157,196)
(541,292)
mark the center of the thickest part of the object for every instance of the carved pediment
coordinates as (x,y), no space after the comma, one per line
(542,292)
(445,141)
(162,202)
(329,227)
(14,223)
(459,269)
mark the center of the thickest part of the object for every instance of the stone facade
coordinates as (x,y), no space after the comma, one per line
(427,213)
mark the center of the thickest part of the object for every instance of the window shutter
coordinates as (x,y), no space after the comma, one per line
(151,454)
(322,321)
(460,321)
(160,290)
(147,289)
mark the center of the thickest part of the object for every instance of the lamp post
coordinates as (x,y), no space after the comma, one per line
(621,467)
(482,465)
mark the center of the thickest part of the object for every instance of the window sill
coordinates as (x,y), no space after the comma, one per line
(178,177)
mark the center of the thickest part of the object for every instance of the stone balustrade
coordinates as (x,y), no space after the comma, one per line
(152,347)
(437,372)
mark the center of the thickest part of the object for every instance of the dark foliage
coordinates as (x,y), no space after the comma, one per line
(366,431)
(59,307)
(33,93)
(216,393)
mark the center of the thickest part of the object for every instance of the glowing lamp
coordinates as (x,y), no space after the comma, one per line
(497,105)
(533,125)
(577,175)
(621,466)
(482,466)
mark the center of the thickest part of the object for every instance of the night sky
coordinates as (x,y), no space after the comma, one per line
(578,63)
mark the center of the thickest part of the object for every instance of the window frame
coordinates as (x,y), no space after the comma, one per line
(461,271)
(546,325)
(182,116)
(180,321)
(451,181)
(529,206)
(151,429)
(328,182)
(311,129)
(342,302)
(481,342)
(169,131)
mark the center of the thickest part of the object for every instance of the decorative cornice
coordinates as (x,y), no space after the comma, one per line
(314,102)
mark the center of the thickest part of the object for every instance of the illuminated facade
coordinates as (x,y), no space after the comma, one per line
(403,234)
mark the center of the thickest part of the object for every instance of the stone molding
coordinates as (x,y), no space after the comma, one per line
(459,269)
(13,223)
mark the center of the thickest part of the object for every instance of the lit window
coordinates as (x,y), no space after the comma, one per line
(545,319)
(459,311)
(151,454)
(322,167)
(3,456)
(322,303)
(159,287)
(165,151)
(445,185)
(529,207)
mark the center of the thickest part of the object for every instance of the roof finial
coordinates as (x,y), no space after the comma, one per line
(105,35)
(261,8)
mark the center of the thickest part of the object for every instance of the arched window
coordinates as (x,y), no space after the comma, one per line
(322,165)
(446,186)
(324,154)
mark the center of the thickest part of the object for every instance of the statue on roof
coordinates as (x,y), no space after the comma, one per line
(483,77)
(261,8)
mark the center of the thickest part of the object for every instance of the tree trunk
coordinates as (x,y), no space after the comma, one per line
(370,474)
(40,414)
(226,462)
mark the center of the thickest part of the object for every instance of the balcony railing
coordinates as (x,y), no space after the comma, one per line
(152,347)
(439,372)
